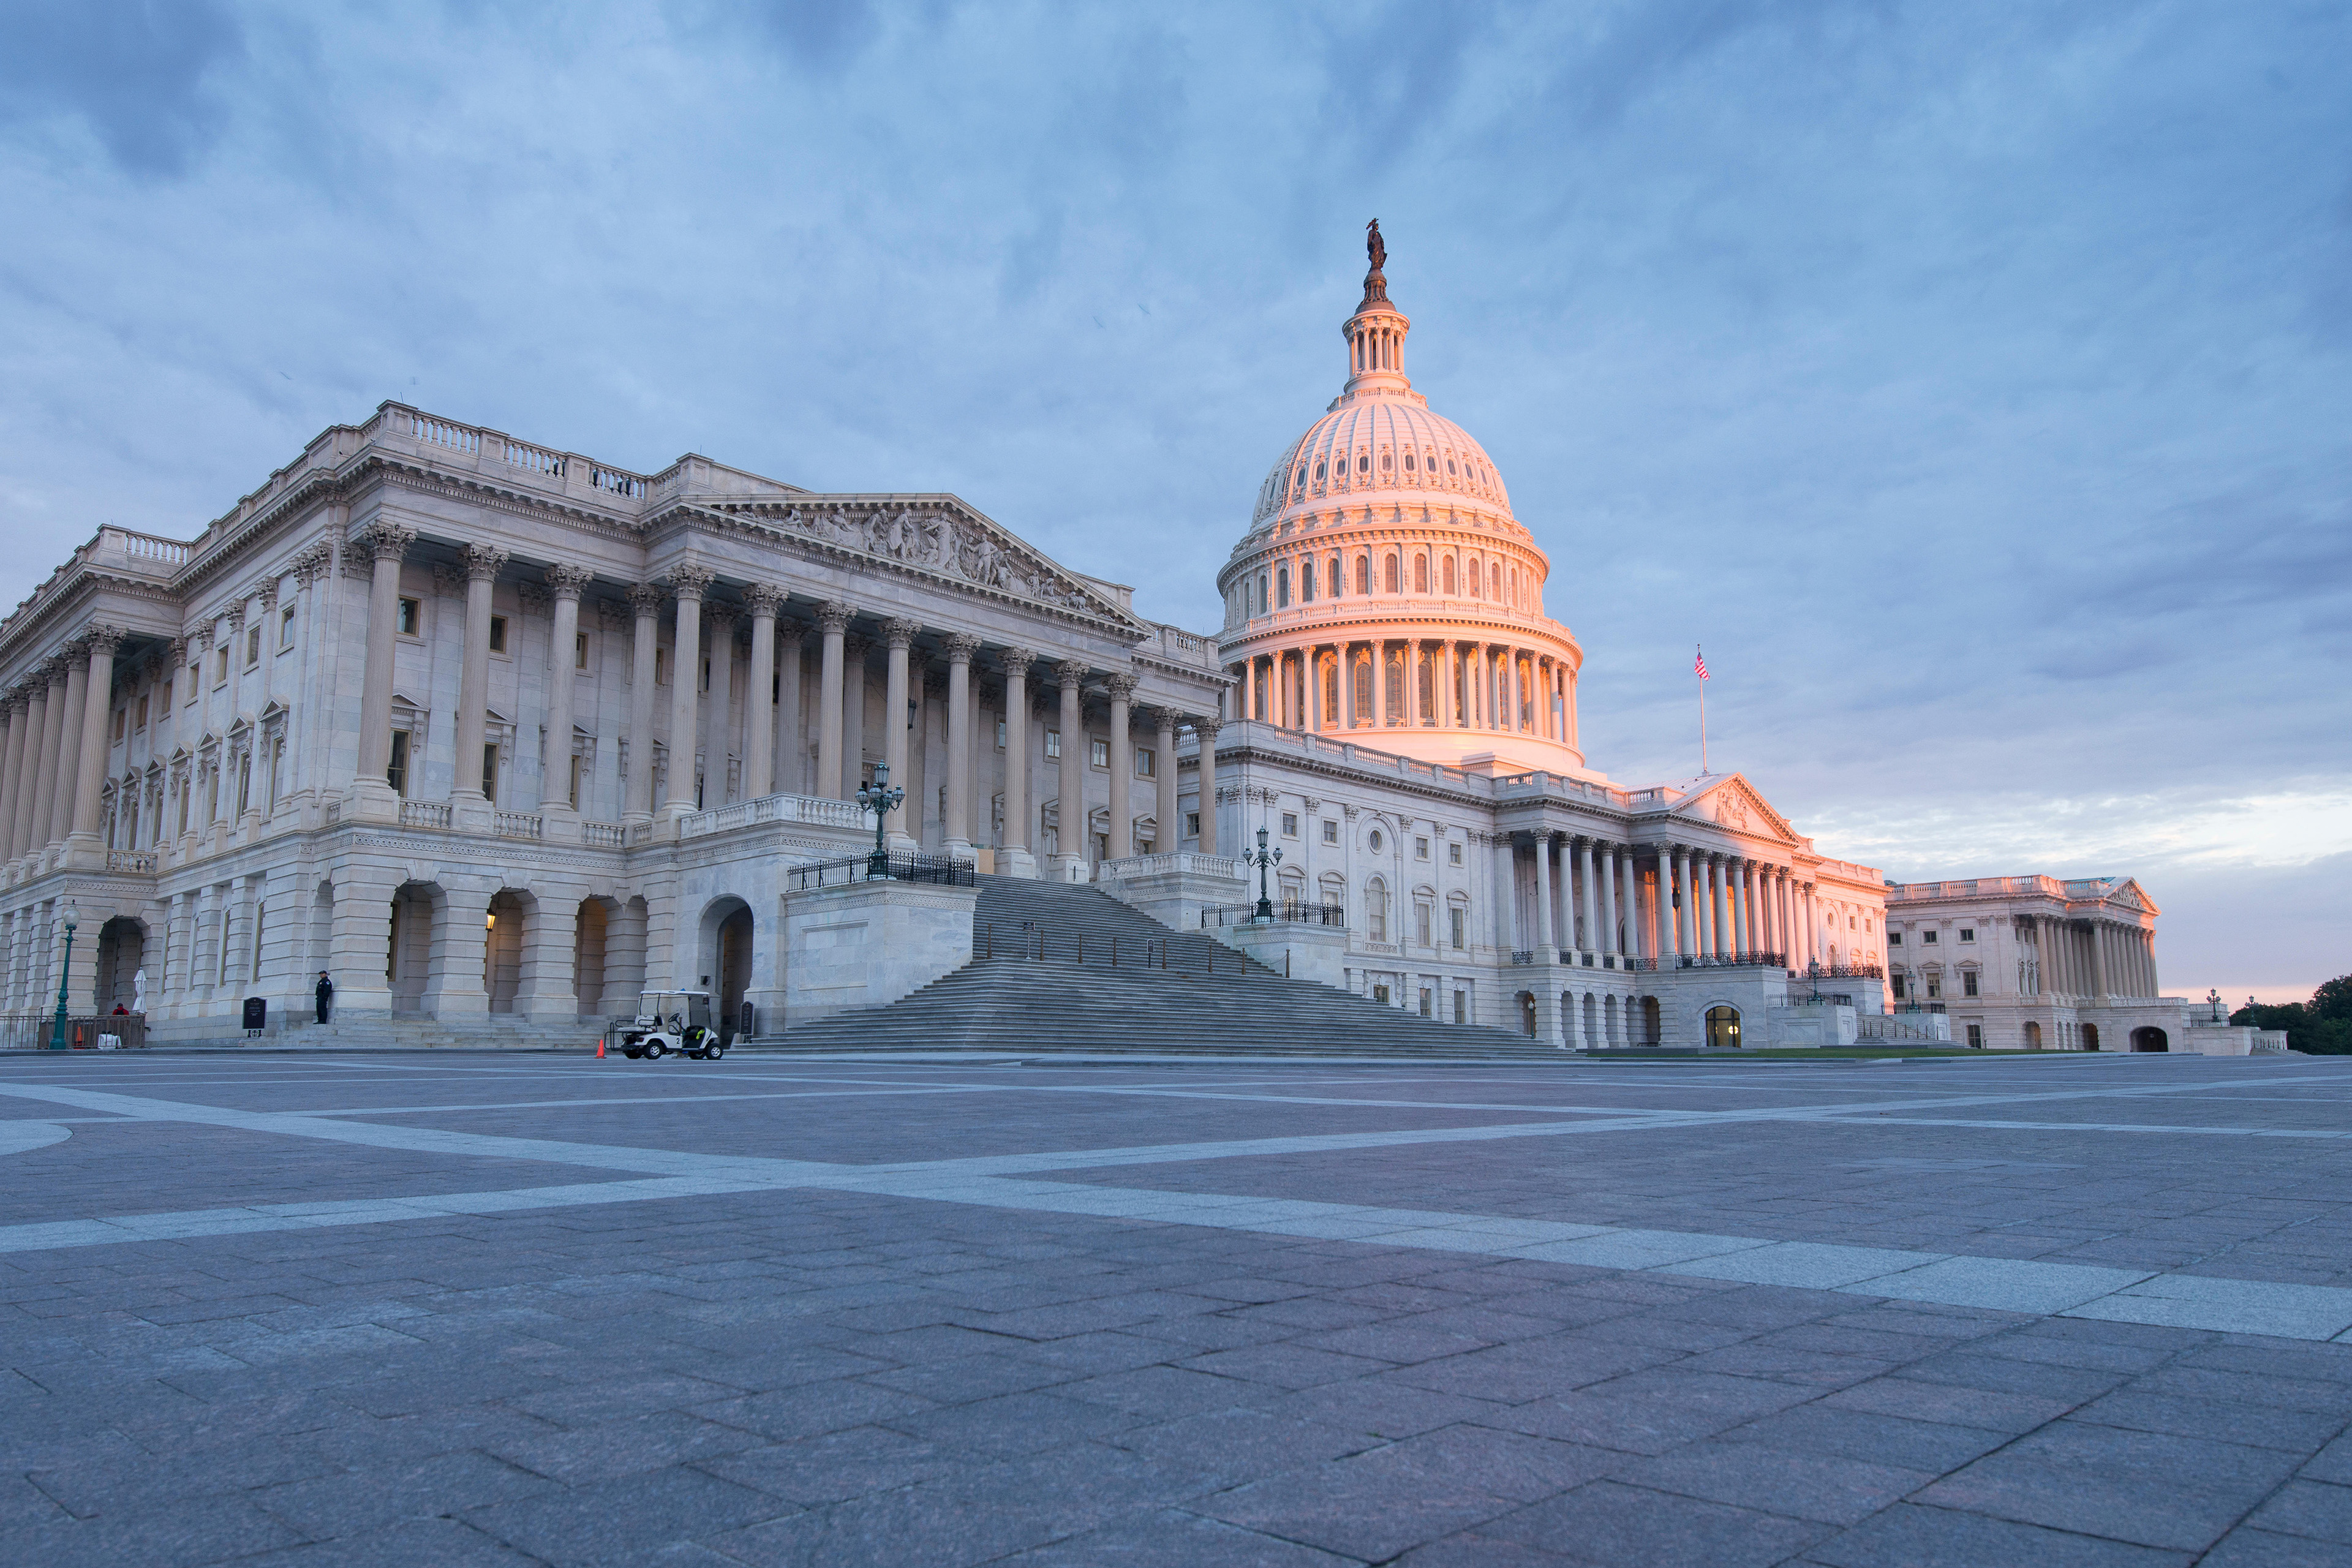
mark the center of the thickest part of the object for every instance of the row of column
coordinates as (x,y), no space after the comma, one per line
(1700,904)
(53,742)
(1473,686)
(2096,960)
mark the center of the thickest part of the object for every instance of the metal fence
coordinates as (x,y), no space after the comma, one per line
(906,868)
(1104,950)
(1287,911)
(35,1031)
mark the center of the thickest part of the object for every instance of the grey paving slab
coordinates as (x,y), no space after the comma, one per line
(563,1312)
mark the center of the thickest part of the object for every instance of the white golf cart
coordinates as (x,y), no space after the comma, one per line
(670,1021)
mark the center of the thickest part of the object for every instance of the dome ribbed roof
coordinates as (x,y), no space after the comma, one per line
(1357,455)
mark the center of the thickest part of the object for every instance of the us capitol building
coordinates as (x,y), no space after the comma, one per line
(497,734)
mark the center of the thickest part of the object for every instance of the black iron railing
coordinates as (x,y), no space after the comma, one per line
(1843,972)
(1727,960)
(1104,950)
(1286,911)
(907,868)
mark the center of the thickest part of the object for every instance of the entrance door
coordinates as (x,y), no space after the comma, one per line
(1722,1027)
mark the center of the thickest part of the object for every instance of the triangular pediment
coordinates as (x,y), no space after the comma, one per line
(2129,895)
(1730,801)
(939,536)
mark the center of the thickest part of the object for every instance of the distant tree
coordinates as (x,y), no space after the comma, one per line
(2321,1026)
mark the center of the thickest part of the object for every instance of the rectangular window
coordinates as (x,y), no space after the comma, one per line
(1968,933)
(1421,848)
(1425,1001)
(252,647)
(1000,734)
(490,771)
(1967,981)
(1330,833)
(1380,994)
(1896,981)
(661,667)
(142,708)
(121,723)
(1053,743)
(1895,939)
(1290,824)
(286,627)
(1145,763)
(580,650)
(1928,937)
(409,622)
(220,670)
(396,775)
(1462,1007)
(1191,825)
(164,703)
(575,782)
(1976,1037)
(1453,854)
(1098,753)
(1421,918)
(1455,922)
(497,633)
(1934,986)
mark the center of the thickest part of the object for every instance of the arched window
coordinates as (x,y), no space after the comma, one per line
(1389,572)
(1477,575)
(1318,473)
(1261,592)
(1419,572)
(1723,1029)
(1363,573)
(1307,581)
(1387,462)
(1282,587)
(1449,576)
(1337,578)
(1363,684)
(1495,579)
(1363,462)
(1408,462)
(1376,911)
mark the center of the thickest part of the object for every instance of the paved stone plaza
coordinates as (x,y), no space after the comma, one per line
(471,1309)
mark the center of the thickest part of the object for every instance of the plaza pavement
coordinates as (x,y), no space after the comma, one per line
(458,1308)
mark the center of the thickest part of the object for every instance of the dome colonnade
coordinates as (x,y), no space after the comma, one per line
(1385,589)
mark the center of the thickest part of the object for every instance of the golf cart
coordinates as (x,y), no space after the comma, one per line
(670,1021)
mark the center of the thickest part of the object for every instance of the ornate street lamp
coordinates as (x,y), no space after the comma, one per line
(881,800)
(65,977)
(1264,861)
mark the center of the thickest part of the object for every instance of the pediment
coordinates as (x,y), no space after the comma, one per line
(1732,803)
(2129,895)
(940,536)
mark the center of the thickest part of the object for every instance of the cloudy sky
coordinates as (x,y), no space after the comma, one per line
(1975,381)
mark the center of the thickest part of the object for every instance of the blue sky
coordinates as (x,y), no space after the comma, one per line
(1972,380)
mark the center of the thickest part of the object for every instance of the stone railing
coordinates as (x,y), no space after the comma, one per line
(1165,864)
(152,552)
(601,834)
(138,862)
(1914,1028)
(520,825)
(808,809)
(493,452)
(424,813)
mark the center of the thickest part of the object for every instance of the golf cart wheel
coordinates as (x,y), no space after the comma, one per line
(715,1052)
(632,1052)
(653,1050)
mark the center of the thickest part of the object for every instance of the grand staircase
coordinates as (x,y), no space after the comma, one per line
(1064,968)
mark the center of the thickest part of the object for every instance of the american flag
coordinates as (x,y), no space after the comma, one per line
(1702,664)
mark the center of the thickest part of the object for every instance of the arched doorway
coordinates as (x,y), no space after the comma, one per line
(589,935)
(502,933)
(122,950)
(1527,1014)
(2090,1037)
(1722,1027)
(2032,1036)
(408,955)
(1650,1034)
(2150,1039)
(726,967)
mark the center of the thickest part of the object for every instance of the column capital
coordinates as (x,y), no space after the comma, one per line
(268,593)
(381,540)
(762,598)
(483,562)
(899,633)
(720,619)
(1070,674)
(958,647)
(1122,686)
(1017,660)
(564,580)
(101,640)
(688,581)
(1165,719)
(309,565)
(535,597)
(235,615)
(645,599)
(834,616)
(1205,726)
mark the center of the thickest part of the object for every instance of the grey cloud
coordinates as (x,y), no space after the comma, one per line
(135,72)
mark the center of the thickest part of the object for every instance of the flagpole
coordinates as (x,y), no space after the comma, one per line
(1698,665)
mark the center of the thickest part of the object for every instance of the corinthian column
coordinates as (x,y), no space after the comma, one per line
(77,704)
(1122,768)
(12,768)
(83,843)
(370,795)
(1168,836)
(1071,805)
(759,694)
(469,805)
(832,618)
(897,637)
(1204,730)
(687,582)
(563,583)
(1017,860)
(645,602)
(956,831)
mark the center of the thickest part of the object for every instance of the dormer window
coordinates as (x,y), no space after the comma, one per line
(1449,465)
(1363,462)
(1408,462)
(1318,472)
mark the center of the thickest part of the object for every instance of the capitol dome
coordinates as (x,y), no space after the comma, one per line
(1385,594)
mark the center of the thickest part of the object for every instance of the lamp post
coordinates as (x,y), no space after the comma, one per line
(1264,861)
(881,800)
(65,978)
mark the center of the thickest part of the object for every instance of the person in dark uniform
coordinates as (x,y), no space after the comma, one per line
(326,993)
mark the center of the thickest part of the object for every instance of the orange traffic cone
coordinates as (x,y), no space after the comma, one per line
(600,1051)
